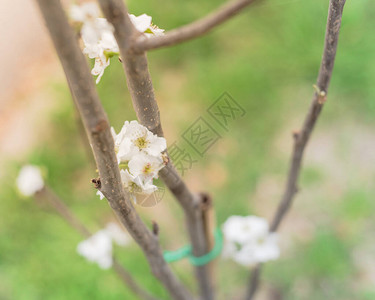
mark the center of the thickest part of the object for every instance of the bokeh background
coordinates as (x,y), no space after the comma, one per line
(267,59)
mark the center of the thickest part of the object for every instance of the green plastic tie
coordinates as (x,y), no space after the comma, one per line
(186,251)
(171,256)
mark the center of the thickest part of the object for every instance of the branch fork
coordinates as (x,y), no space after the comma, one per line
(197,207)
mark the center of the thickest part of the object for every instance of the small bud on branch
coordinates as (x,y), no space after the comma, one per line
(97,183)
(155,228)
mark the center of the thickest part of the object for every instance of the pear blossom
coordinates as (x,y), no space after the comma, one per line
(135,138)
(100,194)
(101,62)
(155,30)
(248,240)
(30,180)
(140,157)
(145,165)
(137,185)
(98,40)
(117,234)
(241,229)
(98,37)
(259,251)
(118,139)
(97,248)
(97,34)
(124,148)
(145,140)
(143,23)
(85,12)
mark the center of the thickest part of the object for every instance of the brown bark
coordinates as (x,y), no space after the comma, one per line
(144,102)
(193,30)
(97,128)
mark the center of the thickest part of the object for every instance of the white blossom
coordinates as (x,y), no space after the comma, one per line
(85,12)
(98,39)
(118,139)
(248,240)
(30,180)
(101,63)
(97,34)
(140,157)
(100,194)
(136,185)
(133,184)
(143,23)
(135,138)
(155,31)
(117,234)
(241,229)
(108,42)
(261,250)
(145,166)
(97,248)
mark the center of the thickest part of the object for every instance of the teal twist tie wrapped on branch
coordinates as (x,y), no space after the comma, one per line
(186,251)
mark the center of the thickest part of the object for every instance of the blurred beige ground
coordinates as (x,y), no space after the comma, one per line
(26,61)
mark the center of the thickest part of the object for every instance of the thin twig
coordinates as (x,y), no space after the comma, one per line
(97,128)
(254,281)
(129,280)
(47,194)
(144,102)
(302,137)
(193,30)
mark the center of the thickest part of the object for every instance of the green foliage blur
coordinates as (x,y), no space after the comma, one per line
(267,58)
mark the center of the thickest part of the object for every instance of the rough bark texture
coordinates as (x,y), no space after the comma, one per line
(144,102)
(302,137)
(97,127)
(193,30)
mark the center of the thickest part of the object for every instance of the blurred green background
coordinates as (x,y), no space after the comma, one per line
(267,59)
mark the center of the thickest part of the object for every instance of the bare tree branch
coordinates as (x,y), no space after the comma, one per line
(129,280)
(302,137)
(144,102)
(194,29)
(254,281)
(47,194)
(97,127)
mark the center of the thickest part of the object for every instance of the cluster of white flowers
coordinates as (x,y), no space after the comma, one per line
(30,180)
(98,248)
(248,240)
(97,34)
(140,158)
